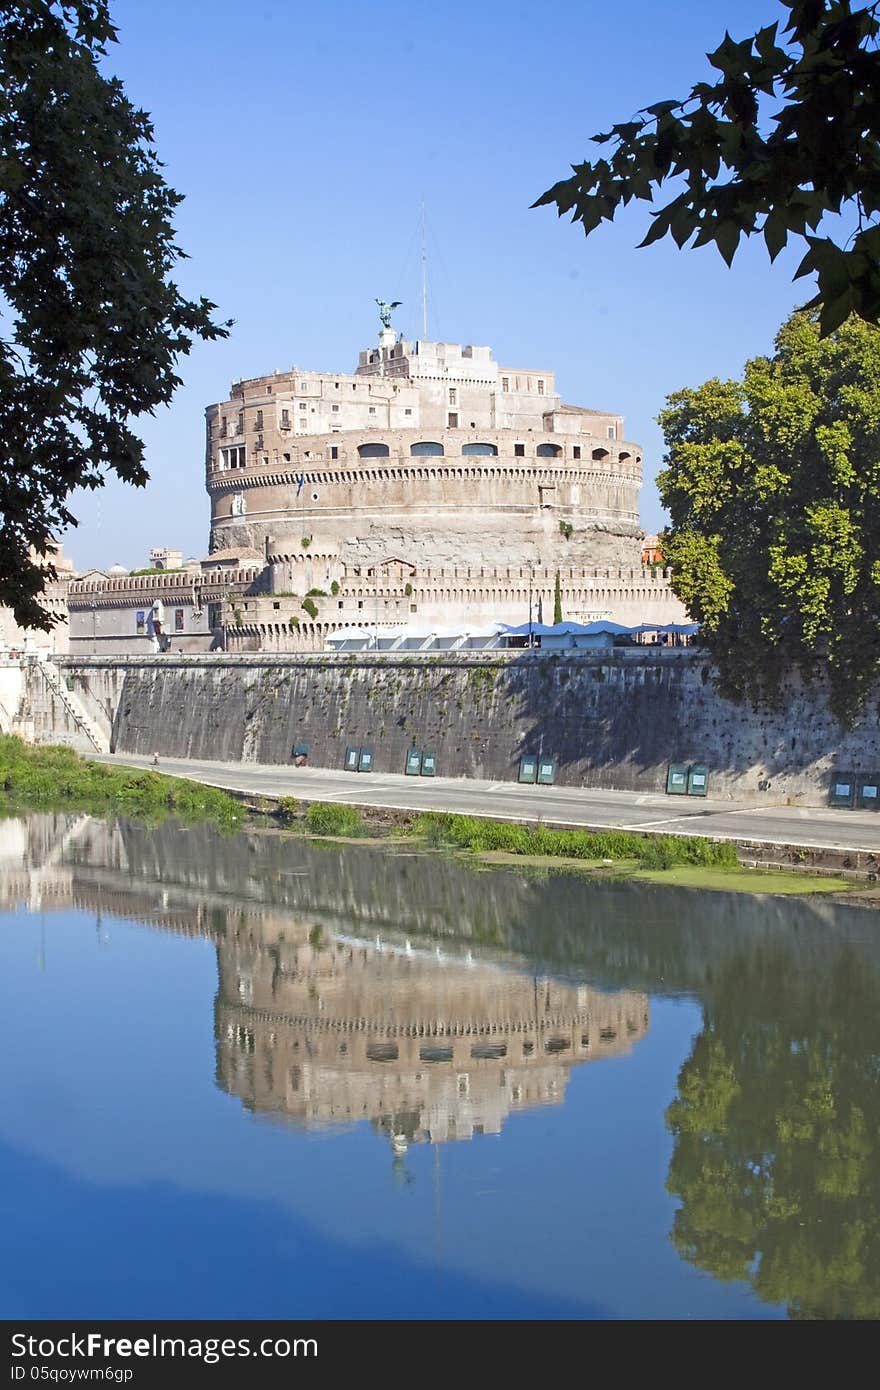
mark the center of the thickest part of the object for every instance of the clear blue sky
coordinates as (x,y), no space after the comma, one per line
(305,138)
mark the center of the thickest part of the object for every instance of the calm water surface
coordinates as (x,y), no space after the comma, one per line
(257,1077)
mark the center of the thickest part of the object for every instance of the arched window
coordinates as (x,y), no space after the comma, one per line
(548,451)
(426,448)
(470,450)
(373,451)
(599,454)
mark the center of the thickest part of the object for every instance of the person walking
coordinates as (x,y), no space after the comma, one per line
(155,760)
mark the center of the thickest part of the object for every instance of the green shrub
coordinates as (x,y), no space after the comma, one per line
(334,588)
(310,607)
(407,589)
(327,818)
(305,542)
(566,529)
(287,808)
(316,593)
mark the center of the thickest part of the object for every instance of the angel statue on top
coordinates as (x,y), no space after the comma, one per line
(385,310)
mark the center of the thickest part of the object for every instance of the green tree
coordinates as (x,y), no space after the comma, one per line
(775,1126)
(773,488)
(557,600)
(95,323)
(789,134)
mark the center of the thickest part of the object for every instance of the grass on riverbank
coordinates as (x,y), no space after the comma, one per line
(51,777)
(507,837)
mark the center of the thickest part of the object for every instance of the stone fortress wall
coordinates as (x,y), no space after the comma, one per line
(612,720)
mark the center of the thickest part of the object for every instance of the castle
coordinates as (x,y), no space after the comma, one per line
(429,489)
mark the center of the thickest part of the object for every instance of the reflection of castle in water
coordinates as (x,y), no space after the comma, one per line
(319,1027)
(430,1048)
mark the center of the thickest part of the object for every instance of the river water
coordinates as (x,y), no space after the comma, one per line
(254,1076)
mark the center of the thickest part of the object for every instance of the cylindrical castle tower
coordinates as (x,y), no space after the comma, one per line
(430,453)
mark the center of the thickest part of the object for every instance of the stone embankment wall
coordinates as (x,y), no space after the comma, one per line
(611,720)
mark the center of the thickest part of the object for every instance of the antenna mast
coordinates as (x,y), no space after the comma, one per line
(424,280)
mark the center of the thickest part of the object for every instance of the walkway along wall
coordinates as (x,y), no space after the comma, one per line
(611,720)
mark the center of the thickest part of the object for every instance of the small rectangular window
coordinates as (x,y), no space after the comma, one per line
(611,432)
(505,383)
(334,452)
(540,387)
(335,408)
(452,396)
(223,428)
(258,420)
(576,451)
(241,422)
(285,419)
(303,406)
(407,411)
(372,410)
(452,420)
(178,620)
(519,451)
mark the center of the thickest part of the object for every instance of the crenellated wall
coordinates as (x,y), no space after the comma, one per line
(611,720)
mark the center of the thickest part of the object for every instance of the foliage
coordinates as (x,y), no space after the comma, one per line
(773,487)
(482,679)
(407,589)
(328,818)
(287,809)
(316,593)
(96,323)
(775,1125)
(310,607)
(334,587)
(787,136)
(557,600)
(52,776)
(305,542)
(481,836)
(566,529)
(156,569)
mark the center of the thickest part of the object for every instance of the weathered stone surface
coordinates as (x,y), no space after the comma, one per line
(610,721)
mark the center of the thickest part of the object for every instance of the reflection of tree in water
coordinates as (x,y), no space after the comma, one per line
(777,1134)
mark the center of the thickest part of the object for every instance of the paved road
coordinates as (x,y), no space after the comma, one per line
(773,825)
